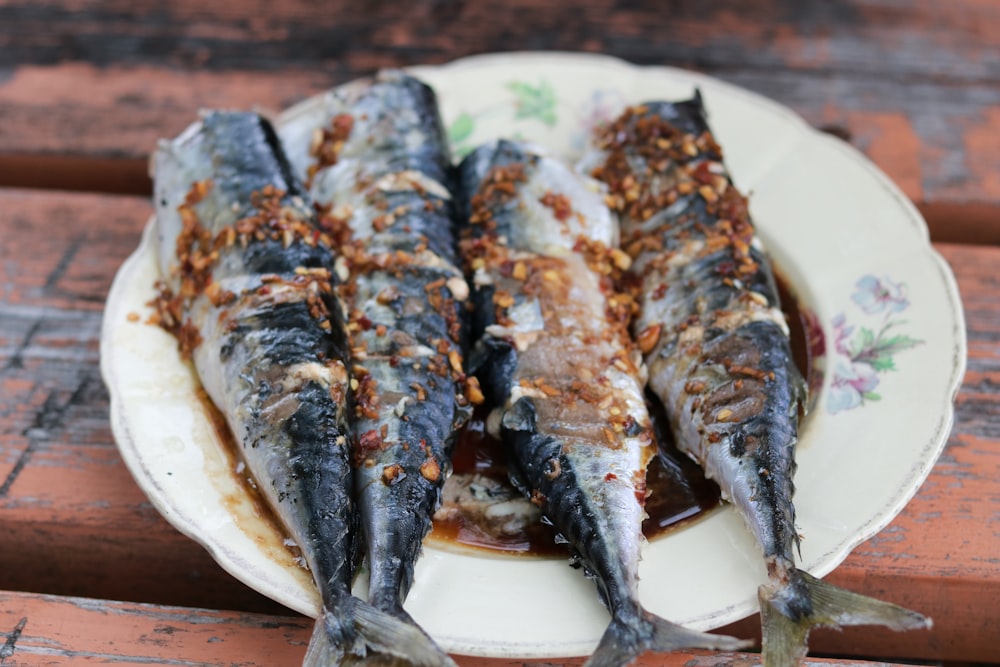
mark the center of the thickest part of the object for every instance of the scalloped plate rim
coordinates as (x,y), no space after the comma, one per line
(237,566)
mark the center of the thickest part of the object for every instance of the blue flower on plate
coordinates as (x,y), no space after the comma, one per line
(880,295)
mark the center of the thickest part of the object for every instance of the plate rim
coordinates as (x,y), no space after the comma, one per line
(931,450)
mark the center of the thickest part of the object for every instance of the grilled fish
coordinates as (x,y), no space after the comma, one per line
(375,155)
(248,289)
(717,347)
(554,357)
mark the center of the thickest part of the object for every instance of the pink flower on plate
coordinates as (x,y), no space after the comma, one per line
(853,380)
(841,334)
(853,383)
(880,295)
(859,353)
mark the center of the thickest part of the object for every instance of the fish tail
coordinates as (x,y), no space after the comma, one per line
(328,642)
(387,640)
(625,640)
(790,611)
(359,634)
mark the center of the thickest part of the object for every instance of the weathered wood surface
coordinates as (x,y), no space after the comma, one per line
(87,87)
(74,522)
(915,85)
(46,630)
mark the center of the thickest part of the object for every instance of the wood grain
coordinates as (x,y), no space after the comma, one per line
(86,89)
(72,522)
(76,524)
(915,86)
(56,631)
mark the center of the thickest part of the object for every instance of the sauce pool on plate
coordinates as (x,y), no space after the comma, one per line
(482,512)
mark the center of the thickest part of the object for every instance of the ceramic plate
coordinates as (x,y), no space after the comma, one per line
(886,320)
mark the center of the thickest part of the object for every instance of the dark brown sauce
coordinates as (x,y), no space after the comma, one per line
(483,456)
(679,491)
(796,330)
(805,337)
(250,510)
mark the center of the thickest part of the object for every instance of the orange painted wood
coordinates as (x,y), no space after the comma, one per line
(915,85)
(45,106)
(87,88)
(56,631)
(74,523)
(70,519)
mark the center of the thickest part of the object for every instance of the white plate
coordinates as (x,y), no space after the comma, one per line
(852,246)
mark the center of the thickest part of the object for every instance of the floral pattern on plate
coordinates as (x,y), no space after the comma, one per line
(861,352)
(699,576)
(536,102)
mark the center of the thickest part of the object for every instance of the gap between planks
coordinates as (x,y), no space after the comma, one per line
(971,223)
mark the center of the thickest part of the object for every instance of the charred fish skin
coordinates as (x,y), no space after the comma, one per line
(375,146)
(268,358)
(555,358)
(382,169)
(718,350)
(249,290)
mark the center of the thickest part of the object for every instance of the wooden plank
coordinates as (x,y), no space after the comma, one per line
(43,107)
(74,631)
(56,631)
(63,489)
(916,41)
(916,88)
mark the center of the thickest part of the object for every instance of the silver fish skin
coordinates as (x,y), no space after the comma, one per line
(248,267)
(385,173)
(718,351)
(555,359)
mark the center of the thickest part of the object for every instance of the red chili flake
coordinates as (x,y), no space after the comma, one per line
(366,400)
(370,441)
(327,144)
(559,203)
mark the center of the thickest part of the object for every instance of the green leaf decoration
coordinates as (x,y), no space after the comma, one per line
(883,363)
(862,341)
(461,128)
(897,344)
(535,101)
(871,396)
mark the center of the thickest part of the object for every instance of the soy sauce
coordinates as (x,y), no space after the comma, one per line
(679,491)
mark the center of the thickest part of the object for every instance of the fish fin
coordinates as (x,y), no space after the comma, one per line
(359,634)
(625,641)
(328,641)
(790,611)
(398,642)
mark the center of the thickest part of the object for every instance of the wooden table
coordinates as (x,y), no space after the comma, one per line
(89,572)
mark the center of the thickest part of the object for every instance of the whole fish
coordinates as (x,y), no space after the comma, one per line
(554,356)
(247,287)
(717,347)
(375,154)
